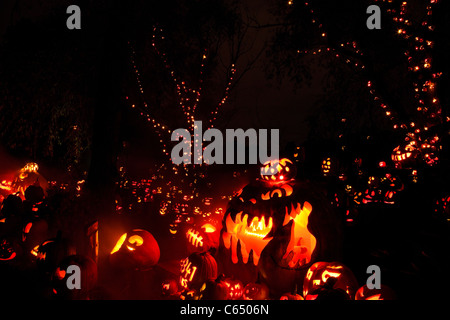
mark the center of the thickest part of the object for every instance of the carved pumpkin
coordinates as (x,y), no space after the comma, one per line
(384,293)
(8,251)
(136,249)
(169,287)
(405,156)
(278,170)
(203,238)
(235,289)
(51,252)
(214,290)
(277,229)
(34,232)
(88,281)
(28,176)
(291,296)
(196,269)
(318,281)
(256,291)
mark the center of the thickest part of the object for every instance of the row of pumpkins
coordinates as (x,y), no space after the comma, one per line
(323,281)
(274,237)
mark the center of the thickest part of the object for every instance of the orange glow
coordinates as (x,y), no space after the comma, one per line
(208,228)
(194,238)
(302,243)
(251,237)
(119,243)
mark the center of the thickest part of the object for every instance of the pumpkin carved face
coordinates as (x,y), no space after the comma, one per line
(136,249)
(318,278)
(7,252)
(256,291)
(404,156)
(278,171)
(276,229)
(201,239)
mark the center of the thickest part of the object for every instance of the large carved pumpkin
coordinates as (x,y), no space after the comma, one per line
(277,229)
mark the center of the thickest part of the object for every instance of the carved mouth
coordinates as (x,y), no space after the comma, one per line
(250,234)
(301,243)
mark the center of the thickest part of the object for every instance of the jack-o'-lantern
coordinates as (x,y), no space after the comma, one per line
(214,290)
(196,269)
(277,230)
(235,289)
(34,232)
(383,190)
(319,277)
(201,239)
(28,176)
(291,296)
(326,167)
(278,170)
(169,287)
(136,249)
(88,278)
(51,252)
(384,293)
(7,250)
(256,291)
(405,156)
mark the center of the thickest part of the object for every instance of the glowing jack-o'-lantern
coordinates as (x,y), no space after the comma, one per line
(196,269)
(256,291)
(318,277)
(405,156)
(28,176)
(136,249)
(384,293)
(326,167)
(278,170)
(7,250)
(202,239)
(277,230)
(235,289)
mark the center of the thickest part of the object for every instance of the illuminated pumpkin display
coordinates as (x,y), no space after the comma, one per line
(28,176)
(277,229)
(196,269)
(384,293)
(256,291)
(383,190)
(88,278)
(329,279)
(136,249)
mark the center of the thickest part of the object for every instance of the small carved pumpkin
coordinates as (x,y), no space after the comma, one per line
(256,291)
